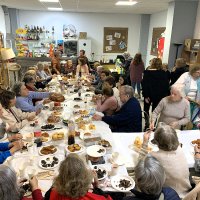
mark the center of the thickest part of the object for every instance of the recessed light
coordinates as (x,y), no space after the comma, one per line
(51,1)
(126,3)
(56,9)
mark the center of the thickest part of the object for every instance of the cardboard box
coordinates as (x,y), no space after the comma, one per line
(83,35)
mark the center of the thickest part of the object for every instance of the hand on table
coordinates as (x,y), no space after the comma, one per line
(34,183)
(31,118)
(15,146)
(97,117)
(15,137)
(38,111)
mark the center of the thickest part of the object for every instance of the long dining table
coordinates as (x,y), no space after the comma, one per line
(122,143)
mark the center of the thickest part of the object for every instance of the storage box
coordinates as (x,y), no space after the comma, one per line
(83,35)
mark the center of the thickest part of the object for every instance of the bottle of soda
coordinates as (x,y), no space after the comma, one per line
(71,133)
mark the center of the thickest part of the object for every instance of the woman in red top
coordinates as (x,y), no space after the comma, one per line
(73,182)
(9,189)
(136,71)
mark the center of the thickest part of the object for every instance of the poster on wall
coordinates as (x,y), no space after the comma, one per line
(158,40)
(115,40)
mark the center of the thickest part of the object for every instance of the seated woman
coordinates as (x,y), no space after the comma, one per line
(122,81)
(30,85)
(10,189)
(168,107)
(82,68)
(46,69)
(25,97)
(73,181)
(107,103)
(150,178)
(171,157)
(13,116)
(42,74)
(67,68)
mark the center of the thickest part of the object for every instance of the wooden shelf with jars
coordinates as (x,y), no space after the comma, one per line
(191,51)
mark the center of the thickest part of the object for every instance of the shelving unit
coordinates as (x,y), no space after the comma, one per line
(191,51)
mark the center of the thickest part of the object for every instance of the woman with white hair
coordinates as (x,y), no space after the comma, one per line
(174,110)
(9,189)
(171,157)
(150,177)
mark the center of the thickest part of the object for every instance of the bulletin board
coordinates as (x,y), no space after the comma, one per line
(115,40)
(156,35)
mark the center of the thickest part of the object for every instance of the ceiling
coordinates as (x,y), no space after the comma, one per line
(101,6)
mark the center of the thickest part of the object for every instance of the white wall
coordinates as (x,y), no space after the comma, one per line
(92,23)
(156,20)
(197,27)
(2,23)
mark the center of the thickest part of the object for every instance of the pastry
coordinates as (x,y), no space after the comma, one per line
(53,119)
(92,127)
(73,147)
(57,97)
(48,150)
(58,136)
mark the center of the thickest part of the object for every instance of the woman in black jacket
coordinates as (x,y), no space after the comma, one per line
(155,86)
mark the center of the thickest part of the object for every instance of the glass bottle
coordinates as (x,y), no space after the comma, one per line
(71,133)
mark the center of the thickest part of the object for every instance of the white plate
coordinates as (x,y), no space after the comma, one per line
(28,137)
(48,162)
(83,136)
(39,151)
(101,168)
(81,150)
(116,180)
(93,151)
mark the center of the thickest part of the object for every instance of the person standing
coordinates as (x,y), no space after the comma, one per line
(136,71)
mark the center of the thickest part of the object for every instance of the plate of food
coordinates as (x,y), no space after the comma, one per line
(56,113)
(45,137)
(57,108)
(85,135)
(58,136)
(49,162)
(92,127)
(96,151)
(47,127)
(101,172)
(76,106)
(52,119)
(77,99)
(28,137)
(122,183)
(57,97)
(27,188)
(47,150)
(75,148)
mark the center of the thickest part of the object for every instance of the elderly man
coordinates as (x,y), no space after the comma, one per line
(25,97)
(129,117)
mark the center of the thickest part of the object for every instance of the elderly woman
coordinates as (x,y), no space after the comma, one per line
(155,86)
(73,181)
(42,74)
(82,68)
(171,157)
(9,188)
(107,103)
(168,107)
(150,178)
(191,82)
(13,116)
(25,97)
(8,148)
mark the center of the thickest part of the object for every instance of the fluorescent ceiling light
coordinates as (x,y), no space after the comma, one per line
(126,3)
(51,1)
(56,9)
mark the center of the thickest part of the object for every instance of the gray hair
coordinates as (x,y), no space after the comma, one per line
(8,184)
(180,88)
(165,137)
(40,65)
(17,88)
(128,90)
(150,175)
